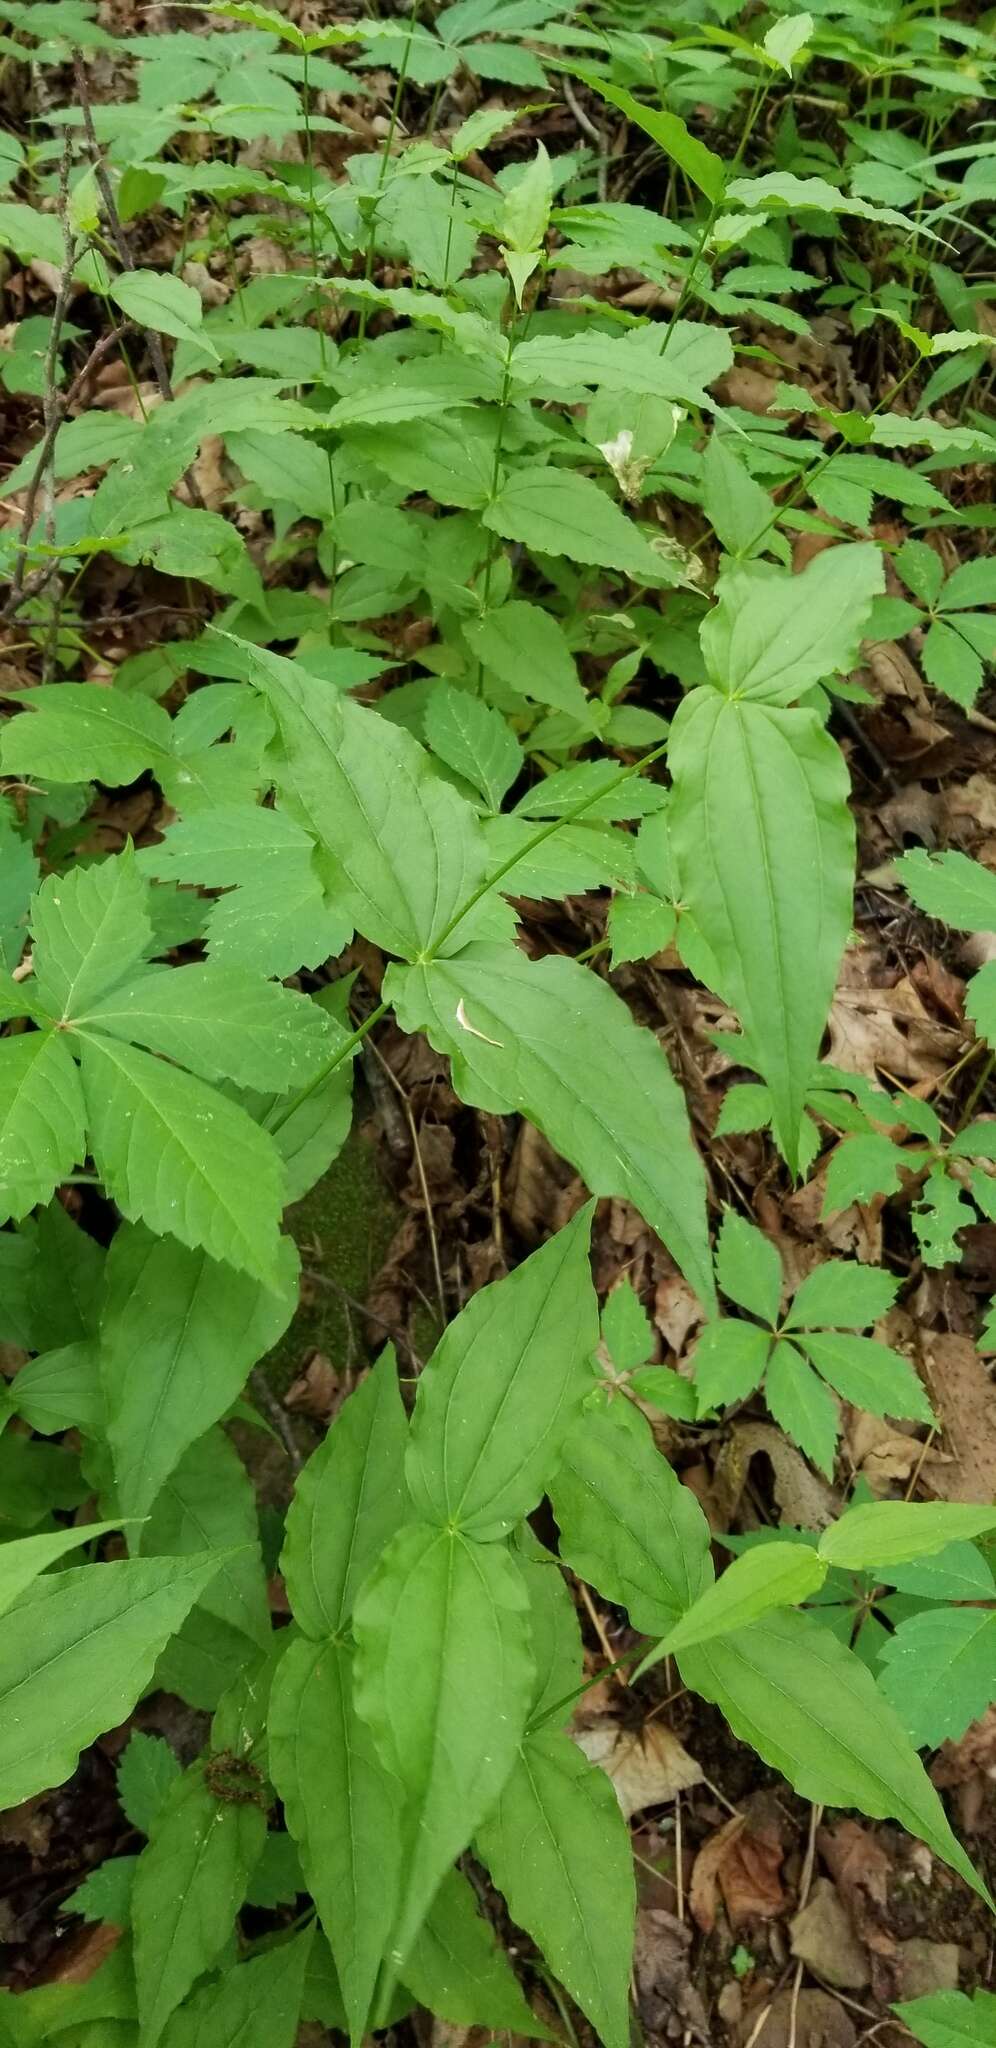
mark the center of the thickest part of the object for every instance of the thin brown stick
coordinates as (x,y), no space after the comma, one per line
(42,483)
(118,236)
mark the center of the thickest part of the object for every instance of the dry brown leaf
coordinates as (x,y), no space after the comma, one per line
(648,1766)
(704,1888)
(749,1874)
(805,1501)
(665,1995)
(890,1031)
(881,1451)
(81,1958)
(963,1394)
(861,1868)
(317,1391)
(822,1936)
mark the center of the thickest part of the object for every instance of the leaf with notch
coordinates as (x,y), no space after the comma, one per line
(348,1503)
(444,1679)
(549,1039)
(502,1390)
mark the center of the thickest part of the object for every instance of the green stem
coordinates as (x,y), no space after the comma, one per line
(385,155)
(760,95)
(309,158)
(808,477)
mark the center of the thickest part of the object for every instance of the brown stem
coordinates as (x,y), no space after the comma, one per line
(118,236)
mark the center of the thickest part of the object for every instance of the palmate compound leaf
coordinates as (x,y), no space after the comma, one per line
(190,1884)
(42,1120)
(807,1705)
(627,1525)
(348,1502)
(502,1390)
(444,1679)
(179,1334)
(99,1628)
(256,2002)
(223,1022)
(410,848)
(177,1155)
(558,1849)
(763,842)
(549,1039)
(343,1809)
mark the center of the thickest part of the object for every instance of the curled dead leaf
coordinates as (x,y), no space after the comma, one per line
(647,1766)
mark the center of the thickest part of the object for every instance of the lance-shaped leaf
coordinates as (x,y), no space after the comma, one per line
(627,1525)
(258,2001)
(503,1388)
(701,165)
(190,1884)
(764,846)
(880,1533)
(183,1158)
(773,1575)
(549,1039)
(444,1678)
(457,1970)
(343,1810)
(348,1502)
(223,1022)
(558,1848)
(23,1560)
(410,848)
(812,1710)
(101,1627)
(772,636)
(42,1120)
(179,1335)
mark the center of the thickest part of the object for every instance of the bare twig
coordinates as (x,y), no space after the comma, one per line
(118,236)
(43,482)
(587,127)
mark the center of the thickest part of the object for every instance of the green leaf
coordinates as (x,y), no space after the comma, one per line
(729,1359)
(785,38)
(948,2019)
(222,1021)
(457,1970)
(738,508)
(773,1575)
(809,1707)
(208,1504)
(189,1885)
(179,1335)
(748,1267)
(764,847)
(102,1627)
(881,1533)
(77,732)
(19,871)
(258,2001)
(627,1525)
(701,165)
(348,1502)
(89,928)
(863,1167)
(155,299)
(444,1678)
(626,1328)
(178,1156)
(950,887)
(554,1629)
(503,1388)
(23,1560)
(663,364)
(801,1405)
(410,848)
(773,635)
(147,1771)
(869,1375)
(526,210)
(42,1120)
(474,740)
(558,1848)
(343,1810)
(639,927)
(939,1672)
(843,1293)
(559,512)
(527,647)
(550,1040)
